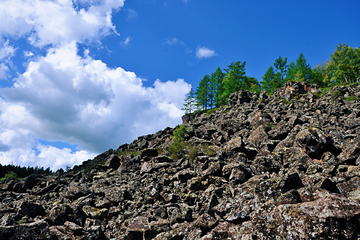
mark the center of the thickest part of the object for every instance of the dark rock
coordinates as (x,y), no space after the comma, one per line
(31,209)
(260,168)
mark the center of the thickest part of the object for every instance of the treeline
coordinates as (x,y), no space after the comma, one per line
(21,172)
(214,89)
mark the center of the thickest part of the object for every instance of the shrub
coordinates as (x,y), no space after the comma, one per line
(193,153)
(176,149)
(9,176)
(208,150)
(335,94)
(180,133)
(350,98)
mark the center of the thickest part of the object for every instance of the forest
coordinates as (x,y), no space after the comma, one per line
(214,89)
(8,172)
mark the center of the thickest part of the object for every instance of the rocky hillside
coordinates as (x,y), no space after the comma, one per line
(279,167)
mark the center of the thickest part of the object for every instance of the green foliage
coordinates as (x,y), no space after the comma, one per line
(177,150)
(22,172)
(9,176)
(210,111)
(281,67)
(131,152)
(270,81)
(216,80)
(193,153)
(180,133)
(301,71)
(344,66)
(269,124)
(208,150)
(324,91)
(350,98)
(336,94)
(233,79)
(202,93)
(190,102)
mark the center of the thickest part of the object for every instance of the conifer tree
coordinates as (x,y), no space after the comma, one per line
(216,80)
(270,80)
(202,93)
(232,80)
(300,66)
(190,102)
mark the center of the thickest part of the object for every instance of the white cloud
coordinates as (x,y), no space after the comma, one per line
(176,41)
(131,14)
(54,22)
(28,54)
(204,52)
(3,71)
(64,97)
(127,41)
(6,51)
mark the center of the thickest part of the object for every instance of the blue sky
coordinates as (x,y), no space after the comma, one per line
(79,77)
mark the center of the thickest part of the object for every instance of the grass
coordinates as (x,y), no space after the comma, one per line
(350,98)
(131,152)
(208,150)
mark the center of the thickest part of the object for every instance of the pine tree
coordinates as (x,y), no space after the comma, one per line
(281,68)
(216,80)
(190,102)
(202,93)
(270,80)
(300,66)
(232,80)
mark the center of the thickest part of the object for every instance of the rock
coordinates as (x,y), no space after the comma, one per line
(113,162)
(260,168)
(31,209)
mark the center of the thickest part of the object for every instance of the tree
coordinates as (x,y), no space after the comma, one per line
(344,66)
(190,102)
(270,80)
(232,80)
(250,83)
(281,67)
(202,93)
(216,80)
(319,74)
(301,71)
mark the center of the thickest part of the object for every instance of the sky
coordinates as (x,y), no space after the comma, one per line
(78,77)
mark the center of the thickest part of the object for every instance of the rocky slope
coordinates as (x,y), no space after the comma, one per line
(279,167)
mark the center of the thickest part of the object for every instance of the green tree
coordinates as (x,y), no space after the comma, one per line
(344,66)
(232,80)
(270,80)
(216,80)
(202,93)
(319,73)
(251,84)
(300,66)
(190,102)
(281,66)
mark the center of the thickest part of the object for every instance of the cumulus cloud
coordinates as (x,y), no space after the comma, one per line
(62,21)
(3,71)
(63,96)
(204,52)
(6,51)
(79,100)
